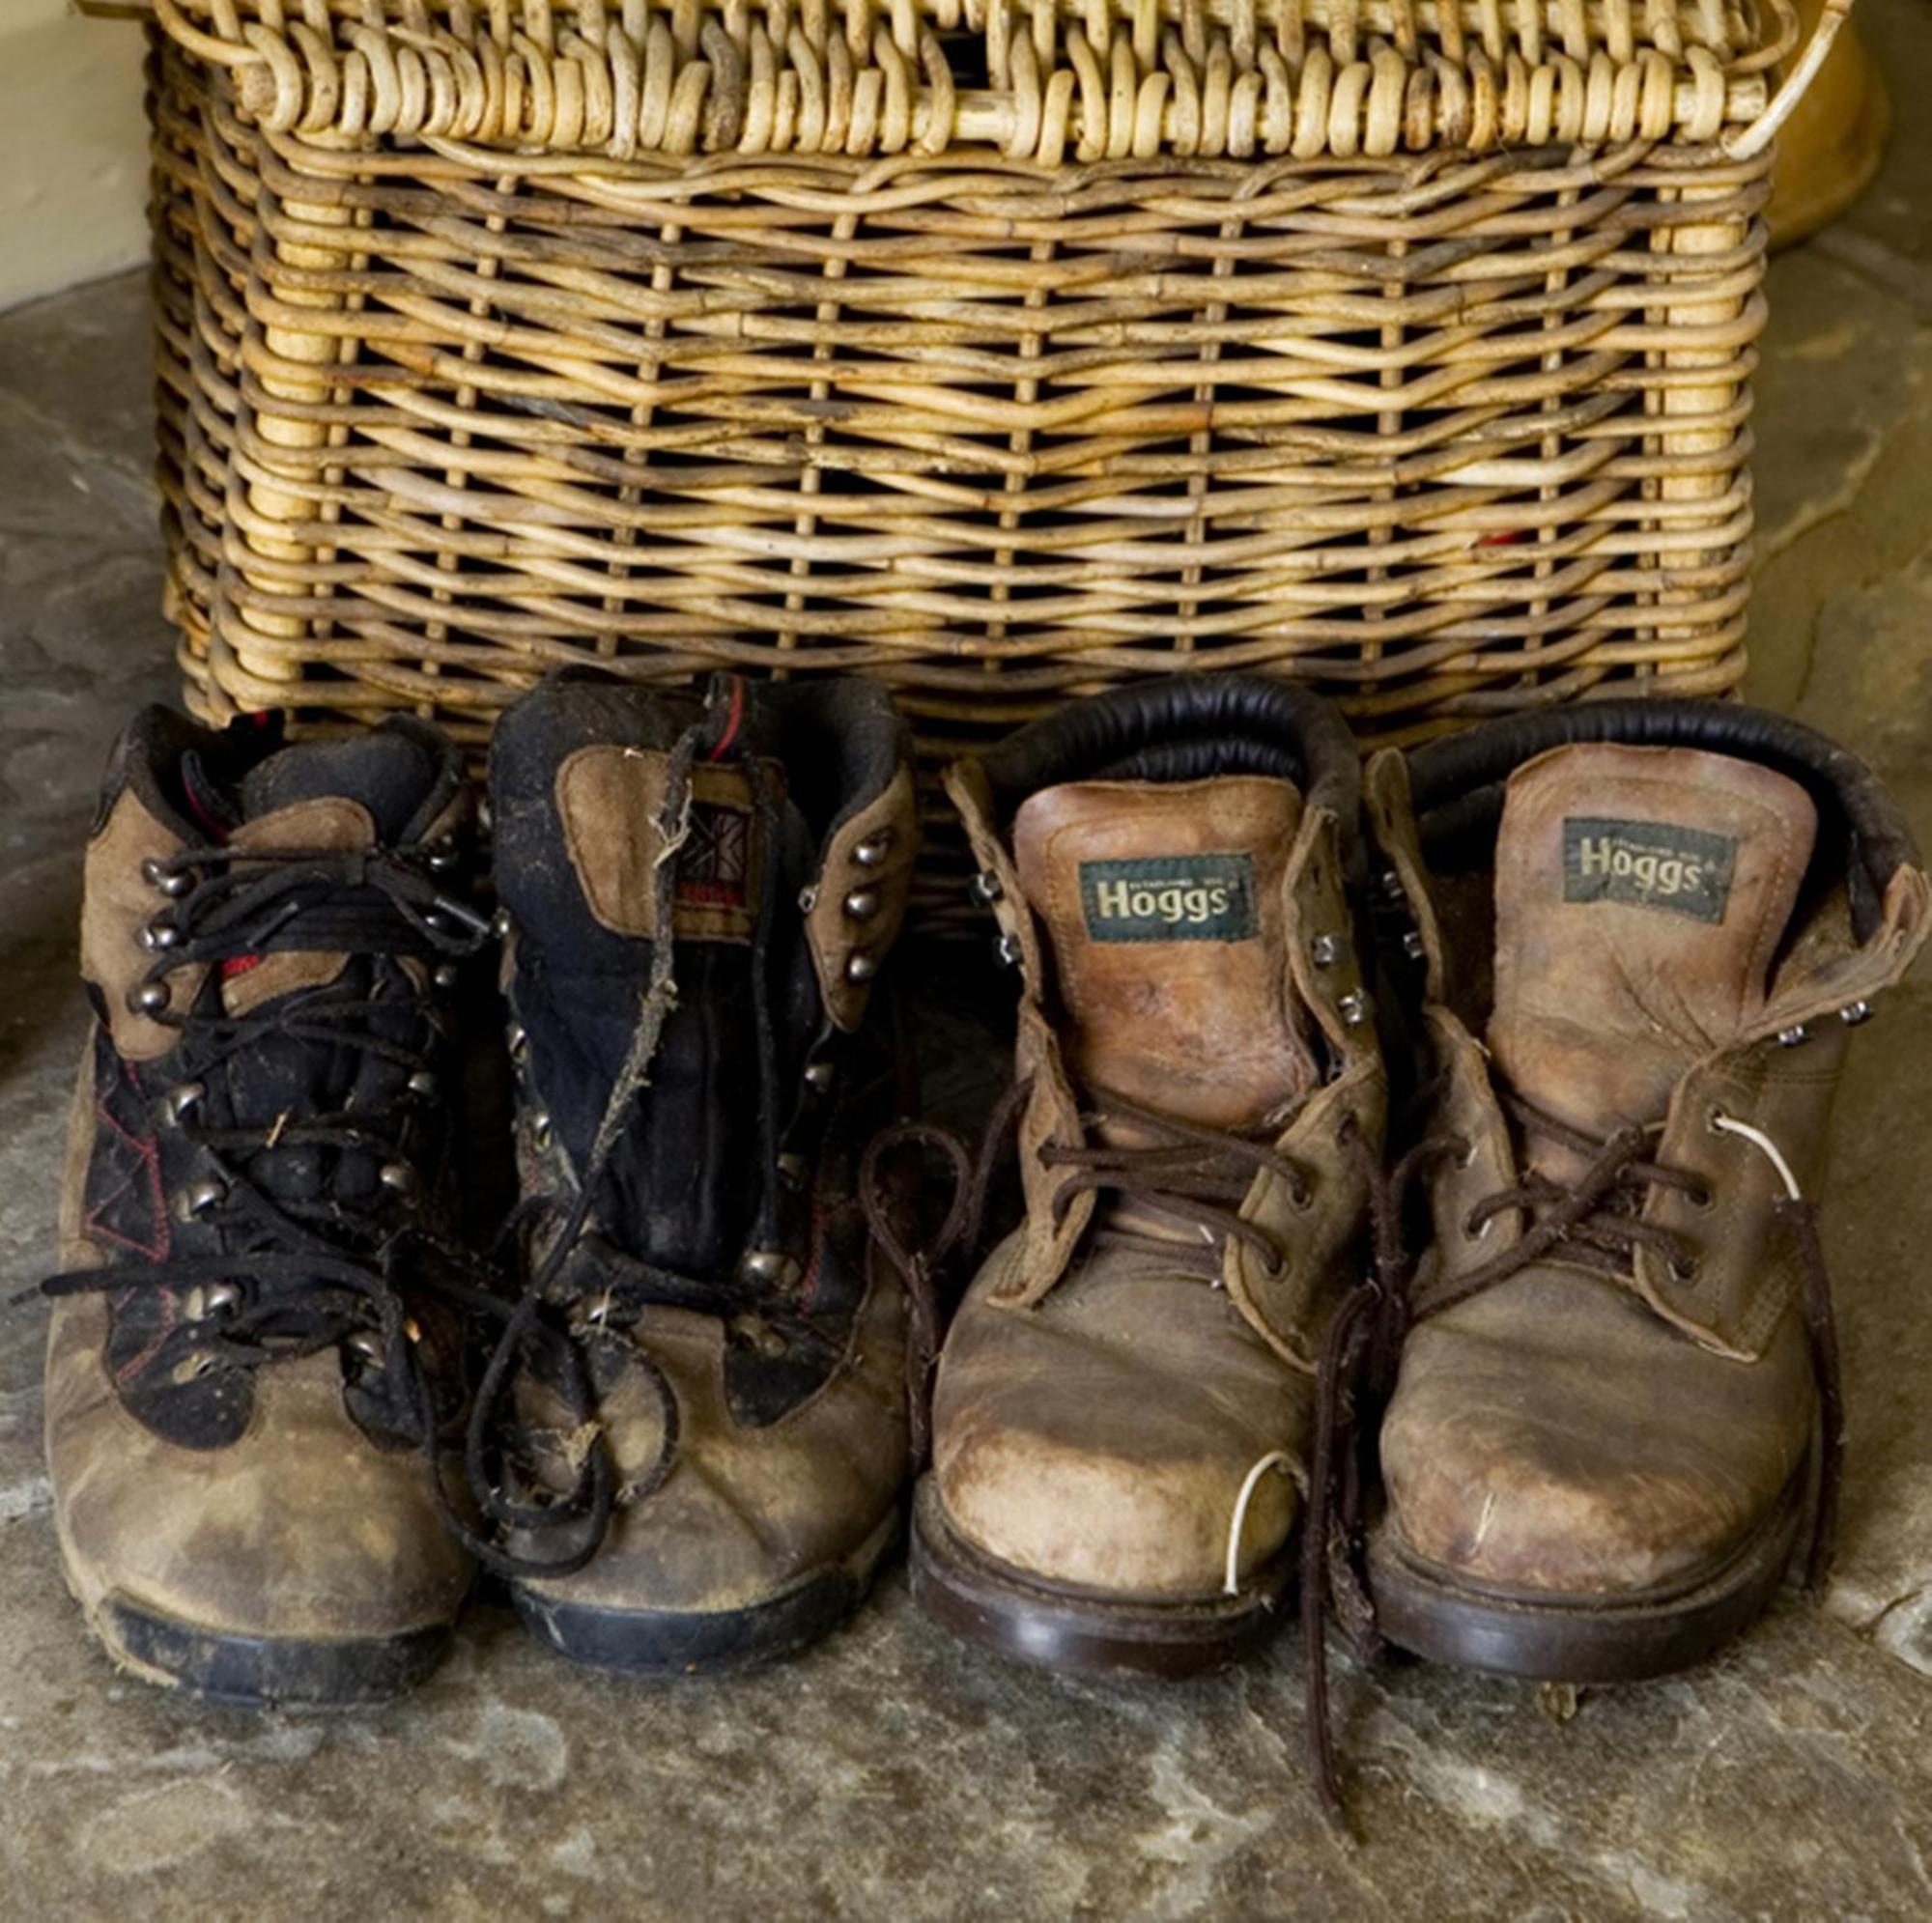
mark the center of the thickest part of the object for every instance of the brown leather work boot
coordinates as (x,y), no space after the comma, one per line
(1647,927)
(1123,1404)
(694,1437)
(259,1332)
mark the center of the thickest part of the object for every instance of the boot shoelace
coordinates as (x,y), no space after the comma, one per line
(1591,1219)
(554,1328)
(1195,1175)
(298,1275)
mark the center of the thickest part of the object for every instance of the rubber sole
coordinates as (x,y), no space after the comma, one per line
(1421,1608)
(265,1672)
(662,1642)
(997,1607)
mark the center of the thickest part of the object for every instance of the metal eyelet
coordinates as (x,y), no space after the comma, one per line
(765,1264)
(1325,950)
(210,1300)
(1703,1199)
(793,1170)
(861,966)
(1413,947)
(173,882)
(808,898)
(1685,1271)
(540,1129)
(986,887)
(501,924)
(366,1344)
(820,1077)
(871,851)
(1478,1232)
(423,1086)
(517,1041)
(1793,1037)
(192,1367)
(862,904)
(1007,949)
(158,935)
(174,1106)
(399,1176)
(442,857)
(759,1334)
(149,998)
(446,976)
(1353,1008)
(193,1200)
(1467,1158)
(1856,1012)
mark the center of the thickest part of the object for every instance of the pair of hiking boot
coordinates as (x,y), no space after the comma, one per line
(675,1397)
(1552,1333)
(1610,954)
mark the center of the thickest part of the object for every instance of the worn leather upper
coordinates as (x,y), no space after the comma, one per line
(288,1499)
(723,1261)
(1169,865)
(1643,914)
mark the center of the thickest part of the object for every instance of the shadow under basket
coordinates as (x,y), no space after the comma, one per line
(1402,350)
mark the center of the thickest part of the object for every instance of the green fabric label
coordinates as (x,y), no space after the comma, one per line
(1170,899)
(1648,865)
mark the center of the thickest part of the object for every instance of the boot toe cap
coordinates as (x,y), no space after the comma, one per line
(1563,1476)
(746,1513)
(1102,1442)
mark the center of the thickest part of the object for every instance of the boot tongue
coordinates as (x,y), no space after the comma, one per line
(1640,895)
(323,796)
(386,771)
(1162,906)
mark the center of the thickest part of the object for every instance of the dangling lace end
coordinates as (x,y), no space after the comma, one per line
(1275,1459)
(1327,1576)
(1325,1765)
(918,1267)
(1801,1216)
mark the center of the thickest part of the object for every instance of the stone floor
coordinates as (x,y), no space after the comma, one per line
(890,1773)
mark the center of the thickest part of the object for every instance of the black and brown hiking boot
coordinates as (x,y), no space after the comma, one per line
(695,1434)
(1122,1412)
(1647,929)
(257,1336)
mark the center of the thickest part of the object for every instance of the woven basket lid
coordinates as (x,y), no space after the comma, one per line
(1044,81)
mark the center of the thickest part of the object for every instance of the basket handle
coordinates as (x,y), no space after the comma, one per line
(1753,139)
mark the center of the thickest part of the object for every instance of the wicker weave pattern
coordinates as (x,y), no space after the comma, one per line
(1442,436)
(1107,79)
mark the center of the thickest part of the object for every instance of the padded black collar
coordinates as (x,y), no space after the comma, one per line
(1456,783)
(1187,728)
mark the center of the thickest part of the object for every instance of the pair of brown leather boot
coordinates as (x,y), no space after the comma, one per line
(1577,1282)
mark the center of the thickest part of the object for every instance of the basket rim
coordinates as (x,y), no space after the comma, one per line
(1053,81)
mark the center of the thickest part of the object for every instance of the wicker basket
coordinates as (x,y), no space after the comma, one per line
(1400,347)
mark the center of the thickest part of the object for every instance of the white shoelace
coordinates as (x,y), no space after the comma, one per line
(1275,1459)
(1730,1125)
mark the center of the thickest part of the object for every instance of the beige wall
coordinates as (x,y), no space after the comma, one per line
(72,159)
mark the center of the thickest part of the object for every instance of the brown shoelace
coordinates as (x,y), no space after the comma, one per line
(1592,1219)
(1192,1174)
